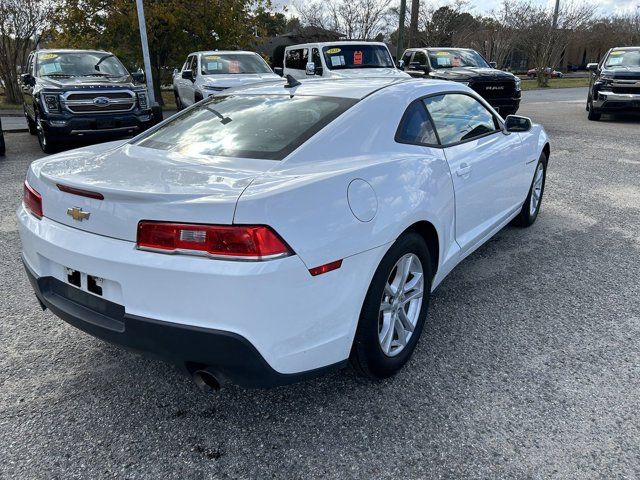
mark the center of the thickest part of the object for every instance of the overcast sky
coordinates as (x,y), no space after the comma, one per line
(484,6)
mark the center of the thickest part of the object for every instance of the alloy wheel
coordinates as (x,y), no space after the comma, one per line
(401,304)
(536,190)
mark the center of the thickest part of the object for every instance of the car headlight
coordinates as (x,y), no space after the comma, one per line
(142,100)
(518,84)
(51,102)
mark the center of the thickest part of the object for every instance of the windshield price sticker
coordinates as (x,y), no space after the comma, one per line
(337,61)
(331,51)
(444,61)
(212,57)
(442,54)
(617,52)
(357,57)
(47,56)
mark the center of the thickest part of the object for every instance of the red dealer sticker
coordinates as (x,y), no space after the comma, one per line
(357,57)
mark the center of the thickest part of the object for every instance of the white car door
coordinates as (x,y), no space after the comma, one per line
(190,86)
(487,166)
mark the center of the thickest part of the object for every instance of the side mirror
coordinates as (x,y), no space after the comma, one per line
(401,64)
(311,68)
(175,71)
(27,79)
(278,71)
(514,123)
(138,77)
(493,64)
(592,66)
(187,75)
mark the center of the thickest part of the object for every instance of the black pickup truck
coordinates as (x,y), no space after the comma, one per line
(82,94)
(500,89)
(615,83)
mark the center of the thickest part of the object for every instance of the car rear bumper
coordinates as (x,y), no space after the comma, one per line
(296,323)
(228,356)
(617,101)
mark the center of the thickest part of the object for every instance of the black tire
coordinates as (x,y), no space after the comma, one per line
(367,357)
(47,144)
(593,115)
(197,97)
(33,130)
(179,105)
(526,218)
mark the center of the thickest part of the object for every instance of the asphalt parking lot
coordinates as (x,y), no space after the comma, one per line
(529,366)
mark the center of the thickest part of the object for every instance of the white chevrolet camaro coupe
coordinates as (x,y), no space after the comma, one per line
(277,231)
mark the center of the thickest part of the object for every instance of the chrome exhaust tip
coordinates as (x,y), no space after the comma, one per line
(206,381)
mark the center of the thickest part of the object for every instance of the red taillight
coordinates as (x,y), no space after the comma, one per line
(327,267)
(240,242)
(32,200)
(80,192)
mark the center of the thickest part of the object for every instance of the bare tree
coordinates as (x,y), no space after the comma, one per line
(356,19)
(543,42)
(21,25)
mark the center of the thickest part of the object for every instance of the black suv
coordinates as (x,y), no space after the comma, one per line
(500,89)
(81,94)
(615,83)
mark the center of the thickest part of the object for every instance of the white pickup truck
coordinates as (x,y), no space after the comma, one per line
(207,73)
(340,60)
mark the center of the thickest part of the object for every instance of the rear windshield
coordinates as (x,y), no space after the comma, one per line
(623,58)
(247,126)
(214,64)
(357,56)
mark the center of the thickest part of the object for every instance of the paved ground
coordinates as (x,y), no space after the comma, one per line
(529,366)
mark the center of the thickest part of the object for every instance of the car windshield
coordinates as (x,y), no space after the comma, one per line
(79,64)
(215,64)
(623,58)
(247,126)
(451,58)
(357,56)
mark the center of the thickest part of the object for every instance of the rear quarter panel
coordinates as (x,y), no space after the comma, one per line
(305,199)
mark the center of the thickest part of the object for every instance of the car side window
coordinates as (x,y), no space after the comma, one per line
(416,127)
(421,58)
(193,66)
(458,118)
(297,58)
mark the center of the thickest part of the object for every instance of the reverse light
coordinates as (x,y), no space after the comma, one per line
(232,242)
(327,267)
(32,200)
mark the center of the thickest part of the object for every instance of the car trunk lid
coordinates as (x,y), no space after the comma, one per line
(139,183)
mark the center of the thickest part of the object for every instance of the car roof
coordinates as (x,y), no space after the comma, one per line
(353,88)
(336,43)
(222,52)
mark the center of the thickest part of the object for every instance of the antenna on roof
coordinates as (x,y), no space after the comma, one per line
(291,82)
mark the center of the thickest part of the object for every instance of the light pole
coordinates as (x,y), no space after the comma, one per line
(145,52)
(556,12)
(403,11)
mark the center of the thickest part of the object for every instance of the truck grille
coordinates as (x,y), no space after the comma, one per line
(629,90)
(494,89)
(99,101)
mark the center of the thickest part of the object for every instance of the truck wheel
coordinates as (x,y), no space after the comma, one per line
(44,139)
(30,123)
(594,115)
(179,105)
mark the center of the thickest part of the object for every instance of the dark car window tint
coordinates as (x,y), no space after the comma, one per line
(459,117)
(249,126)
(421,58)
(416,127)
(297,59)
(407,58)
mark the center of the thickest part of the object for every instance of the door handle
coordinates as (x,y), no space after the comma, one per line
(464,170)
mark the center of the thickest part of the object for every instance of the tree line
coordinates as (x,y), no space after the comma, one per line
(176,28)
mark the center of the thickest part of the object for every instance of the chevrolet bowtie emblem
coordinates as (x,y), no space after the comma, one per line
(77,214)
